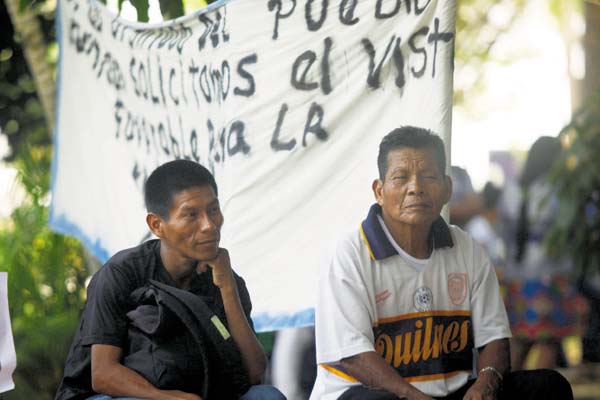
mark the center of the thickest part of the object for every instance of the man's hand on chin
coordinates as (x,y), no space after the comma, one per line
(221,270)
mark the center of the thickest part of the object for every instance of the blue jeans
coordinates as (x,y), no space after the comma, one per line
(263,392)
(256,392)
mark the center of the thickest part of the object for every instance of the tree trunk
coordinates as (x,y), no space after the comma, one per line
(28,29)
(591,43)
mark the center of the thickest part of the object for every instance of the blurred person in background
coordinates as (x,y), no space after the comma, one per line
(484,226)
(543,306)
(293,362)
(465,203)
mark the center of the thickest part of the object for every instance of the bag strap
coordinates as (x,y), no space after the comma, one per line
(207,329)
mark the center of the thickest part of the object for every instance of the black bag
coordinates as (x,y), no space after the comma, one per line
(177,342)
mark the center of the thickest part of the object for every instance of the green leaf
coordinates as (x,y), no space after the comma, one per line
(23,4)
(141,7)
(575,232)
(171,9)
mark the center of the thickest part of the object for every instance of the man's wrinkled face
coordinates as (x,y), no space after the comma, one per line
(414,189)
(193,229)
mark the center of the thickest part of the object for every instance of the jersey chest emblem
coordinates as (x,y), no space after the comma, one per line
(423,299)
(457,287)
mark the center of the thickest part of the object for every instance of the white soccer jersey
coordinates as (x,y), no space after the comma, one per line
(425,323)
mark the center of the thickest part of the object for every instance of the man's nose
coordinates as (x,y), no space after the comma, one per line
(206,222)
(415,185)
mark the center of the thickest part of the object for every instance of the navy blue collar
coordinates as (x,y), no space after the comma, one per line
(379,245)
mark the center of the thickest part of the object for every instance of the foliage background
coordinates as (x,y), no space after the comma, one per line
(48,271)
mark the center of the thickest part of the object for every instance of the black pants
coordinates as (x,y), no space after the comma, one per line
(541,384)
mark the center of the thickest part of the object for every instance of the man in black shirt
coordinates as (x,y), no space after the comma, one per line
(108,360)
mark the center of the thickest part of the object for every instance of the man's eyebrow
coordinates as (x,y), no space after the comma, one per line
(186,207)
(399,169)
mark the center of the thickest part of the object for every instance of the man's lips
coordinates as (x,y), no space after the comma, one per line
(210,242)
(419,206)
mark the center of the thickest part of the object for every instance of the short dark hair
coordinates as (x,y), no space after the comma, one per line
(171,178)
(411,137)
(490,195)
(540,158)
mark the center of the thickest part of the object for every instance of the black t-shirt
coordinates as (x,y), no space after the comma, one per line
(104,319)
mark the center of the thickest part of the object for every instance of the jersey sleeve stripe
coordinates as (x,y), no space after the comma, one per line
(338,373)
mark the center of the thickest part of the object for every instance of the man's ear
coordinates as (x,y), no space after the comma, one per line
(448,182)
(154,223)
(377,190)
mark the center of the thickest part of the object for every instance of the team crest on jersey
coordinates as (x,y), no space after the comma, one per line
(423,299)
(457,287)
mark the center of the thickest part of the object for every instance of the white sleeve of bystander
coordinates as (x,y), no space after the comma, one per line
(8,356)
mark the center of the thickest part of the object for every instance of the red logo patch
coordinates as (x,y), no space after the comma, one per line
(457,287)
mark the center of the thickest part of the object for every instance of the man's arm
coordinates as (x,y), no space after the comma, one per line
(253,355)
(496,355)
(372,370)
(489,321)
(112,378)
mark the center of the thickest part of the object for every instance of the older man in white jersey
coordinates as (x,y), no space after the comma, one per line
(406,299)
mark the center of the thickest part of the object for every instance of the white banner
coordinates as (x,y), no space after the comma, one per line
(8,356)
(285,101)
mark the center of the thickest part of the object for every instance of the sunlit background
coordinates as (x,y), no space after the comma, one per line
(526,91)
